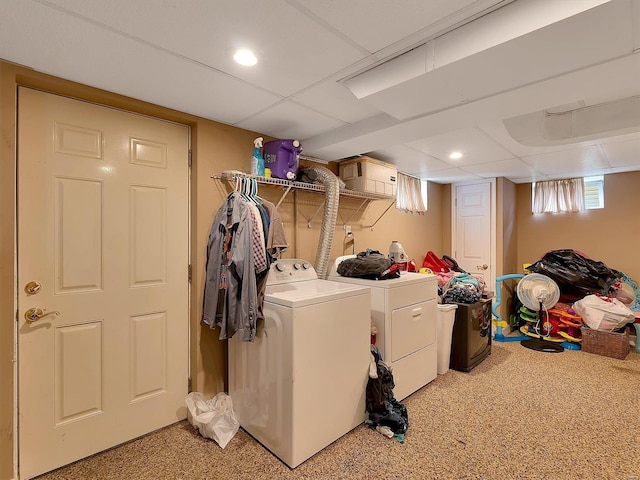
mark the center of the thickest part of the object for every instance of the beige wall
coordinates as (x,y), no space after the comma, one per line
(7,282)
(506,240)
(610,235)
(216,147)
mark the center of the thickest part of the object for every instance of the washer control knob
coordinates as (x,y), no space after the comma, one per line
(297,265)
(306,265)
(280,267)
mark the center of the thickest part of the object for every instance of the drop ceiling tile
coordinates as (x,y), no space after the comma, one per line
(600,171)
(409,160)
(58,44)
(450,175)
(512,168)
(335,101)
(632,168)
(293,50)
(622,154)
(620,138)
(538,178)
(575,161)
(475,146)
(288,119)
(376,24)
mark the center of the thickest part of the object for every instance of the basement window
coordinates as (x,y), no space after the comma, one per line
(411,194)
(568,195)
(594,192)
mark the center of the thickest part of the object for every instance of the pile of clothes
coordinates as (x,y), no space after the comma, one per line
(462,288)
(454,284)
(384,413)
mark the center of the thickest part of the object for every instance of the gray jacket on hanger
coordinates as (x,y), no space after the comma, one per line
(230,295)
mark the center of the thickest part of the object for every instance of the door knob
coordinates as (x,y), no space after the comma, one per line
(482,267)
(35,314)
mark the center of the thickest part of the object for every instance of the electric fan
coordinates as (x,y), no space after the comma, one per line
(539,293)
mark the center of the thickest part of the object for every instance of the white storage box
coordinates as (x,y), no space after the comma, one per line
(368,175)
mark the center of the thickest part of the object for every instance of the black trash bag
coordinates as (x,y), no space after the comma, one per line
(382,407)
(576,275)
(369,264)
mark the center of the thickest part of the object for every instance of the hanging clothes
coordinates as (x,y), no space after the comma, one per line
(230,296)
(276,244)
(276,239)
(247,234)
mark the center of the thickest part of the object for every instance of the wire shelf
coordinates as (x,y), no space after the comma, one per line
(232,175)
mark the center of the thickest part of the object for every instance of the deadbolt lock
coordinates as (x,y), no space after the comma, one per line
(32,288)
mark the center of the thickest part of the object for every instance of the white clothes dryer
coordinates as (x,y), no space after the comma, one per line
(301,384)
(405,315)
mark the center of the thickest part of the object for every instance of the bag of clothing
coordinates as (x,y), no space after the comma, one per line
(576,275)
(369,264)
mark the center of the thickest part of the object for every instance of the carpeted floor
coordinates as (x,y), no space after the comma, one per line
(520,414)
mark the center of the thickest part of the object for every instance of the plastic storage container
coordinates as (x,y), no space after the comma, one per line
(282,157)
(369,175)
(444,330)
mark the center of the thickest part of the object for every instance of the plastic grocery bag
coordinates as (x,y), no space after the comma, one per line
(214,418)
(603,313)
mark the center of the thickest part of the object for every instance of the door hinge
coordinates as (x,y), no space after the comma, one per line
(189,272)
(189,385)
(189,157)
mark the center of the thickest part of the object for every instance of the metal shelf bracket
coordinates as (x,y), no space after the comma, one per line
(382,215)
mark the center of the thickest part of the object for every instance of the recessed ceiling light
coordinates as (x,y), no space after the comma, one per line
(245,57)
(455,155)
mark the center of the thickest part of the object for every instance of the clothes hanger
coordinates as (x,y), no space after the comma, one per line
(247,190)
(254,192)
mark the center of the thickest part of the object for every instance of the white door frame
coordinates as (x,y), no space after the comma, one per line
(491,282)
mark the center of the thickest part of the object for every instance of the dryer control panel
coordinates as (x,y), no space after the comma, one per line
(288,270)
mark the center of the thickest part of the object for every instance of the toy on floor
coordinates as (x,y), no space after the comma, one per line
(557,324)
(498,323)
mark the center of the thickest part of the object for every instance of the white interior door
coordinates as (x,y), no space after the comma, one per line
(474,220)
(103,234)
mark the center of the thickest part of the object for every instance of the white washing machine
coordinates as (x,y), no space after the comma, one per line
(405,315)
(300,385)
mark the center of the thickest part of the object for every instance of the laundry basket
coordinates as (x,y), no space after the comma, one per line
(609,344)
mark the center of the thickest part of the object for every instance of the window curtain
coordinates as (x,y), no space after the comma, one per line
(411,195)
(555,196)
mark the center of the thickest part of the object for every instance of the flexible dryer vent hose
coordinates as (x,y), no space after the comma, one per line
(330,181)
